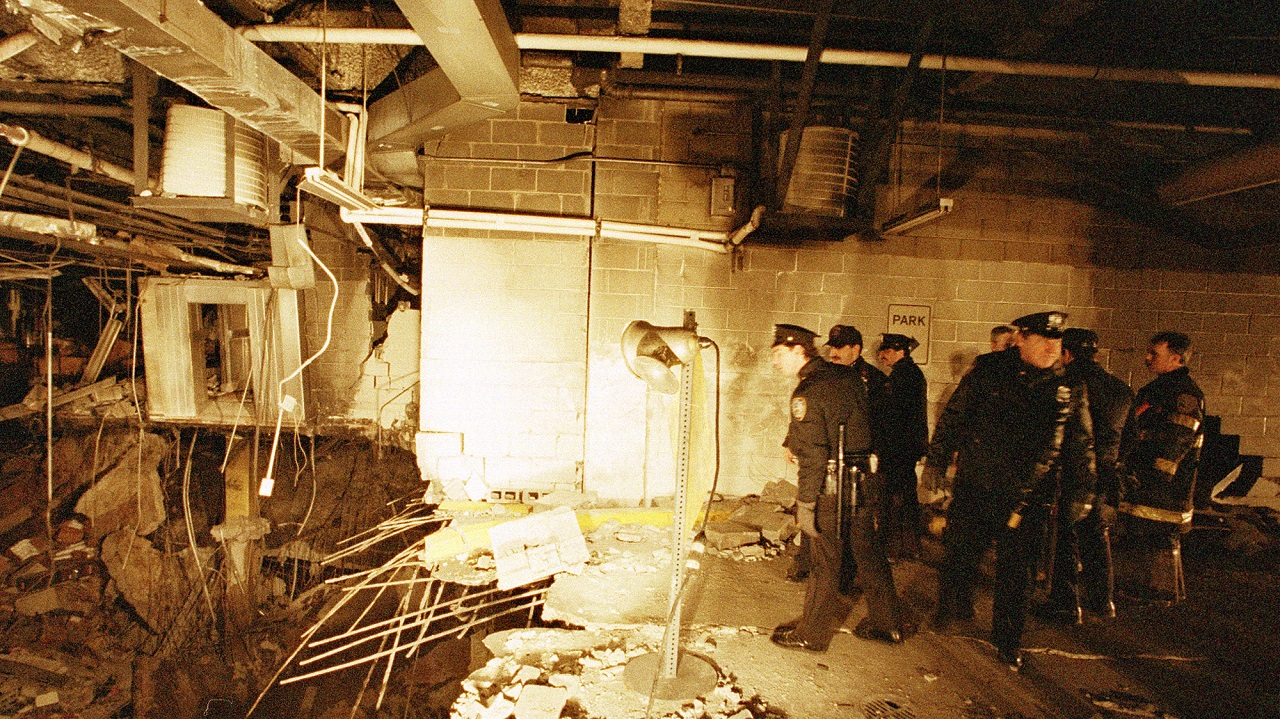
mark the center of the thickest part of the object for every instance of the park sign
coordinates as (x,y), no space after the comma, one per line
(912,321)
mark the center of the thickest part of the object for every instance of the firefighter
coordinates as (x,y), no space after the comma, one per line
(1083,577)
(1160,452)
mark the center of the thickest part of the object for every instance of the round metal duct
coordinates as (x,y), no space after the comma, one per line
(825,171)
(194,163)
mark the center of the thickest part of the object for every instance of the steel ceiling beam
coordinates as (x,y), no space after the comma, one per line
(183,41)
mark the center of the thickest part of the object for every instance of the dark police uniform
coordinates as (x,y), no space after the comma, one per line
(1160,452)
(1014,426)
(827,397)
(874,380)
(1087,549)
(903,418)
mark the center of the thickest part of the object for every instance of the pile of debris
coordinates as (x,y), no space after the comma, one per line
(549,673)
(79,604)
(756,526)
(108,399)
(69,649)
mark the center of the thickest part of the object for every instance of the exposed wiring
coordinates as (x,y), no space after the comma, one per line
(48,367)
(328,337)
(191,530)
(315,486)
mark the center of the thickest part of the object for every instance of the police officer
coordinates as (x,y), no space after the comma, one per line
(844,344)
(903,419)
(1160,451)
(1087,550)
(1015,419)
(827,397)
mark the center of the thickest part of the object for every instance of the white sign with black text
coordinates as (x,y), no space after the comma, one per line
(912,321)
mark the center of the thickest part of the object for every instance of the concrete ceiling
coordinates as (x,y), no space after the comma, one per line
(1186,141)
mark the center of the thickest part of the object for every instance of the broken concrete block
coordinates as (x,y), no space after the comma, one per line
(541,702)
(728,535)
(78,597)
(537,547)
(27,665)
(526,674)
(782,493)
(570,682)
(125,496)
(755,515)
(27,548)
(751,550)
(779,528)
(151,581)
(500,708)
(69,532)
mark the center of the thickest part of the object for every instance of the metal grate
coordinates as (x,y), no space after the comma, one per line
(887,708)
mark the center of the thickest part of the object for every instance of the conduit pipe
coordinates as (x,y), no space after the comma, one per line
(22,137)
(783,53)
(15,44)
(17,107)
(573,226)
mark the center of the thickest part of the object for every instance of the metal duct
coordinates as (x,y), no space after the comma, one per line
(476,78)
(1244,170)
(190,45)
(824,176)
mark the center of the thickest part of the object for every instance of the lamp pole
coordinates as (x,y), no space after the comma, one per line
(651,352)
(680,522)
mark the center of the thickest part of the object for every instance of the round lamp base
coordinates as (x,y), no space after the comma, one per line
(695,676)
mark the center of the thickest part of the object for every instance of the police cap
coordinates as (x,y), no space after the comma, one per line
(793,335)
(844,336)
(1080,342)
(898,342)
(1046,324)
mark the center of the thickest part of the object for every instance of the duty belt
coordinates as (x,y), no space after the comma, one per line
(858,465)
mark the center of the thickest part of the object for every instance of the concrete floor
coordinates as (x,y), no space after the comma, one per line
(1212,656)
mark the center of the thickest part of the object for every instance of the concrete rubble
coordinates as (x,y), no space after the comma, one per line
(547,673)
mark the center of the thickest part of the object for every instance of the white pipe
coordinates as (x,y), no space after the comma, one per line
(576,226)
(15,44)
(709,235)
(22,137)
(785,53)
(333,35)
(663,240)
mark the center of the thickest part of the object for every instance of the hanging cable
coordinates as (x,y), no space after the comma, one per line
(191,531)
(264,488)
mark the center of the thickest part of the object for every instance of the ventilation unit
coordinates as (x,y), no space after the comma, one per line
(212,169)
(824,176)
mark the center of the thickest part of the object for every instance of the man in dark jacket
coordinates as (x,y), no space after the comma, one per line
(903,438)
(1160,452)
(1012,423)
(827,398)
(845,348)
(1082,565)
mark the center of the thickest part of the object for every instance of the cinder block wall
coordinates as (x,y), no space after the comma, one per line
(520,333)
(503,358)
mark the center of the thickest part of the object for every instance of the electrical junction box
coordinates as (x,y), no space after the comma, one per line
(722,189)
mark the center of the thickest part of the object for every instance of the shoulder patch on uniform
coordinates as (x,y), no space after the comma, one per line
(1188,404)
(798,408)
